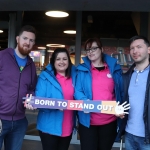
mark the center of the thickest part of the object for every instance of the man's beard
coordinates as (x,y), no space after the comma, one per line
(23,50)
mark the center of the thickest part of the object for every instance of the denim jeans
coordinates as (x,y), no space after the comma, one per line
(133,142)
(13,134)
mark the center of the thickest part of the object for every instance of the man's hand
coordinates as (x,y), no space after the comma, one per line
(27,102)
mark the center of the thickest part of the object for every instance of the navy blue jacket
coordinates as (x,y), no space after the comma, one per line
(146,113)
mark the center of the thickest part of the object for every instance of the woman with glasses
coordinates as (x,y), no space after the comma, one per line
(56,81)
(99,78)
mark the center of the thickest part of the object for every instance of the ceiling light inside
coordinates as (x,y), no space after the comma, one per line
(70,32)
(1,31)
(58,14)
(50,50)
(55,45)
(41,47)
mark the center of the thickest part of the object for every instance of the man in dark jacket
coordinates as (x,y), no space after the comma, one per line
(17,78)
(137,92)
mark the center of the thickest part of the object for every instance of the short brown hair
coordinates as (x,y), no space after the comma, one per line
(27,28)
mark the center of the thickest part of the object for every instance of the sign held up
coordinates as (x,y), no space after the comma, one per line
(99,106)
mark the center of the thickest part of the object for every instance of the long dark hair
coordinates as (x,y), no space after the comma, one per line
(99,44)
(53,59)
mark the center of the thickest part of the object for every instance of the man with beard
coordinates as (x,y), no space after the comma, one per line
(136,124)
(17,78)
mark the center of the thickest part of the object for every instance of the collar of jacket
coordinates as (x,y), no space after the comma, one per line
(49,68)
(11,52)
(110,61)
(48,74)
(131,69)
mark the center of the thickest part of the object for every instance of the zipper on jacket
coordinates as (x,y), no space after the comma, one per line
(18,87)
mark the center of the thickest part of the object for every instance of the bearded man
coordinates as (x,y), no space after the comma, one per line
(17,78)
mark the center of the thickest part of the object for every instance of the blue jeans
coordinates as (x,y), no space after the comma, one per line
(13,134)
(133,142)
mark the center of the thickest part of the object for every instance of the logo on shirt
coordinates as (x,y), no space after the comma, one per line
(109,75)
(21,68)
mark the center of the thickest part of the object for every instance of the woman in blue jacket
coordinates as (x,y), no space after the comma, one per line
(56,81)
(98,78)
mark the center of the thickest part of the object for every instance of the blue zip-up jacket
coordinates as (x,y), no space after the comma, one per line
(83,88)
(50,120)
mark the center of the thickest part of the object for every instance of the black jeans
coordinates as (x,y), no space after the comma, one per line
(52,142)
(99,137)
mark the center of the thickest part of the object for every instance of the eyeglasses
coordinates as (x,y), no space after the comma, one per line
(92,49)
